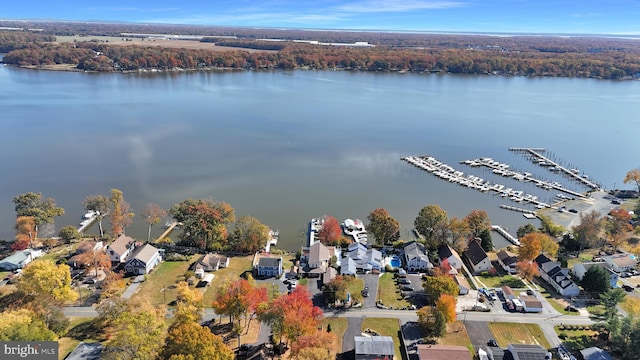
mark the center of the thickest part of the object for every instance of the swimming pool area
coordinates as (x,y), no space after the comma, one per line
(395,262)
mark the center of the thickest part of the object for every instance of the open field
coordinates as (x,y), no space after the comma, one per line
(165,276)
(513,333)
(386,327)
(176,44)
(338,327)
(388,292)
(237,266)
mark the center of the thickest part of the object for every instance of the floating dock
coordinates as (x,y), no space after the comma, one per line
(536,153)
(500,230)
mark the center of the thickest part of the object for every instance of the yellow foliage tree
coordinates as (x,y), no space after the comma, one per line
(189,306)
(191,339)
(447,305)
(47,281)
(24,325)
(530,246)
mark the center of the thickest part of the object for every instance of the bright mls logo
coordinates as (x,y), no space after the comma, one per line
(36,350)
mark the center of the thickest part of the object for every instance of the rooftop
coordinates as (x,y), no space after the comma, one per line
(374,345)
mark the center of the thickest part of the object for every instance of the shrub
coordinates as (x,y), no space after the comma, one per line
(562,336)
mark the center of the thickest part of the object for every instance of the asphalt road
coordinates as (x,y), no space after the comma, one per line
(348,343)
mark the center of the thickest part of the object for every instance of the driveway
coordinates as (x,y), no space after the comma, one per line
(479,333)
(370,281)
(348,343)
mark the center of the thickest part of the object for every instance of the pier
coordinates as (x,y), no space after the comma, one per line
(273,240)
(500,230)
(446,172)
(503,170)
(536,153)
(525,212)
(169,229)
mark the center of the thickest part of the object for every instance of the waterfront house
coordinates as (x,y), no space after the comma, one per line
(211,262)
(19,259)
(443,352)
(83,247)
(348,267)
(507,261)
(477,257)
(620,262)
(366,260)
(143,259)
(580,269)
(374,347)
(556,276)
(415,257)
(446,254)
(269,267)
(120,249)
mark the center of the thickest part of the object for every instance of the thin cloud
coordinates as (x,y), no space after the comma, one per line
(251,18)
(376,6)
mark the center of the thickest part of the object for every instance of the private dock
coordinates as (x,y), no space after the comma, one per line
(502,231)
(537,157)
(170,227)
(514,208)
(273,239)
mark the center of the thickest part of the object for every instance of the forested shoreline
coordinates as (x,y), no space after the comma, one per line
(605,58)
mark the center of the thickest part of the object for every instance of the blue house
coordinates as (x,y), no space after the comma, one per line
(269,266)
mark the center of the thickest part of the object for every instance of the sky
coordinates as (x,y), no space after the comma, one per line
(507,16)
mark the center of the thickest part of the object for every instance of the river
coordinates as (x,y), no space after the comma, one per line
(288,146)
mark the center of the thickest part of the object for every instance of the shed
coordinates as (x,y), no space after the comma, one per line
(374,347)
(507,292)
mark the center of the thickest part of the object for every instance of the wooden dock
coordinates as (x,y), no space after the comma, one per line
(167,231)
(500,230)
(513,208)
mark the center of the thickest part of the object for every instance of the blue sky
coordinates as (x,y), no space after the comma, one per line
(537,16)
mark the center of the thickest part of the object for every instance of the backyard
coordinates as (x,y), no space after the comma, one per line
(80,329)
(389,294)
(456,335)
(237,266)
(386,327)
(514,333)
(159,285)
(577,339)
(338,327)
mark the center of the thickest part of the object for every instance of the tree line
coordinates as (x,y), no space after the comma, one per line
(453,56)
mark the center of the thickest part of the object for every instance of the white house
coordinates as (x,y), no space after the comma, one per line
(448,255)
(415,257)
(556,276)
(143,260)
(19,259)
(366,259)
(120,249)
(580,269)
(478,259)
(620,262)
(507,261)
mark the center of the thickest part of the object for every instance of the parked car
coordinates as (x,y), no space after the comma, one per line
(529,292)
(492,343)
(404,281)
(365,292)
(627,288)
(570,309)
(406,288)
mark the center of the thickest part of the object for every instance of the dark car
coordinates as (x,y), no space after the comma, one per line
(570,309)
(365,292)
(406,288)
(492,343)
(573,211)
(627,288)
(529,292)
(404,281)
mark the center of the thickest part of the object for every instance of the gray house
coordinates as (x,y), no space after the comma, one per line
(374,347)
(269,266)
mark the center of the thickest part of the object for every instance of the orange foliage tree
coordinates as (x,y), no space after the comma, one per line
(330,231)
(241,298)
(25,232)
(531,244)
(527,269)
(95,259)
(317,340)
(447,305)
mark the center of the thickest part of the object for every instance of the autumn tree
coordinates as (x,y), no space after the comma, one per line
(152,215)
(434,286)
(113,285)
(316,346)
(617,225)
(330,231)
(203,222)
(588,231)
(24,325)
(530,246)
(249,235)
(336,289)
(431,220)
(446,304)
(525,229)
(42,210)
(47,282)
(596,280)
(549,227)
(189,305)
(383,226)
(121,214)
(460,232)
(633,176)
(292,315)
(527,269)
(240,298)
(433,322)
(478,221)
(97,259)
(100,204)
(137,331)
(195,341)
(68,233)
(25,232)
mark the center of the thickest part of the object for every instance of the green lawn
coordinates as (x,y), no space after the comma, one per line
(165,276)
(498,281)
(576,340)
(514,333)
(338,327)
(237,266)
(553,298)
(596,312)
(386,327)
(456,335)
(389,293)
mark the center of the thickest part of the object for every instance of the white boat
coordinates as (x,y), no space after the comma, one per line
(89,214)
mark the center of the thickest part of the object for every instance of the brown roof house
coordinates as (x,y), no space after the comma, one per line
(620,262)
(82,248)
(443,352)
(120,249)
(477,257)
(143,259)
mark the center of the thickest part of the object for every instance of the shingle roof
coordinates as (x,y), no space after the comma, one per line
(269,262)
(121,244)
(528,352)
(475,253)
(506,258)
(144,253)
(374,345)
(318,253)
(622,260)
(86,351)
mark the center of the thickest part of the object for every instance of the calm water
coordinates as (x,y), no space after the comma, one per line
(288,146)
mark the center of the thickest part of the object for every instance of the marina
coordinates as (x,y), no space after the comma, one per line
(502,231)
(446,172)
